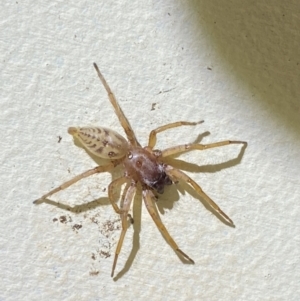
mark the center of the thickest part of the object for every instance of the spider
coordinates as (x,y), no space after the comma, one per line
(143,165)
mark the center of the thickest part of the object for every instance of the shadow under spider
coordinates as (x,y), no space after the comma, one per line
(173,196)
(163,203)
(184,187)
(137,213)
(78,208)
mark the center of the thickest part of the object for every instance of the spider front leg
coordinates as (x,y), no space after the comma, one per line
(86,174)
(190,146)
(122,118)
(176,174)
(149,200)
(123,214)
(153,133)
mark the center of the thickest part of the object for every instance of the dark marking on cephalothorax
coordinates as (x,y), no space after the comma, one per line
(161,182)
(106,132)
(105,142)
(99,130)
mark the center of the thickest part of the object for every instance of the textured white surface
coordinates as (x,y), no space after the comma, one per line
(145,48)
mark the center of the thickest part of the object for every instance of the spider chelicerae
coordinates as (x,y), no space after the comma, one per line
(143,165)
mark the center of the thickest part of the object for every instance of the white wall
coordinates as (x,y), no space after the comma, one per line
(234,64)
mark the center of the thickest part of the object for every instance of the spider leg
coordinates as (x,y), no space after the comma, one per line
(111,192)
(178,174)
(122,118)
(151,207)
(86,174)
(153,133)
(124,213)
(188,147)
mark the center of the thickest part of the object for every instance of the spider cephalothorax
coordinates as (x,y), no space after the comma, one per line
(141,165)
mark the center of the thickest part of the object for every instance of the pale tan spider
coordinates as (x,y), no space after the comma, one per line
(142,165)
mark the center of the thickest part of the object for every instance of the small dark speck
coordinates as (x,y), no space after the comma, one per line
(55,220)
(76,227)
(63,219)
(59,139)
(104,254)
(94,273)
(169,14)
(153,106)
(94,220)
(93,256)
(209,68)
(165,91)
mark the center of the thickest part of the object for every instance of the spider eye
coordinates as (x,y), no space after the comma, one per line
(130,155)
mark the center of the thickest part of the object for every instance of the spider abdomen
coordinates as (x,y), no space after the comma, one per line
(142,166)
(100,141)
